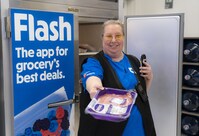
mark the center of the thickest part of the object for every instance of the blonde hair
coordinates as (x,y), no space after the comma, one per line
(113,22)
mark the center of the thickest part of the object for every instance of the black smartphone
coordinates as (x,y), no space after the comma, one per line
(143,58)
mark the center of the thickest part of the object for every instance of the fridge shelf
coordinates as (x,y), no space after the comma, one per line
(190,113)
(190,63)
(190,88)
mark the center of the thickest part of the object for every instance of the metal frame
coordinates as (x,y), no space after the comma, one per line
(6,86)
(87,10)
(2,114)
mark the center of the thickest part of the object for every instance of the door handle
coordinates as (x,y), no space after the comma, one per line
(63,103)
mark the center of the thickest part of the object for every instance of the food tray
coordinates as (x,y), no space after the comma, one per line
(112,104)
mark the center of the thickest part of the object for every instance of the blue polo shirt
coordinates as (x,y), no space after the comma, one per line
(128,80)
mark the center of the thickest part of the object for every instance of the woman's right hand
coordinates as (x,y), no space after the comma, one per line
(93,91)
(93,85)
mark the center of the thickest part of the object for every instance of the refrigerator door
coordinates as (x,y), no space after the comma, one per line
(160,38)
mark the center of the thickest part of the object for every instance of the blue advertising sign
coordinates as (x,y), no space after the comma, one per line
(42,70)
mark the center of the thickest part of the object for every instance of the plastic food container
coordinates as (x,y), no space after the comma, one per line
(112,104)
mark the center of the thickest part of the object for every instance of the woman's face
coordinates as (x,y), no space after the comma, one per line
(113,40)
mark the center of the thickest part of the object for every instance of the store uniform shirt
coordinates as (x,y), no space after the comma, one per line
(126,76)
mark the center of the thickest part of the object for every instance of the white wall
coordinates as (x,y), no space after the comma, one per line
(190,9)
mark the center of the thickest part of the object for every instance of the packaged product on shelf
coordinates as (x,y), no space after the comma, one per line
(191,77)
(190,125)
(191,52)
(190,101)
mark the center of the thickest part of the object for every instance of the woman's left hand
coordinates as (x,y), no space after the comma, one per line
(146,71)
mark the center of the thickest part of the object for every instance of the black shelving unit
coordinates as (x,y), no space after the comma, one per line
(186,88)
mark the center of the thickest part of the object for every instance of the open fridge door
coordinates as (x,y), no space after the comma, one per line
(160,38)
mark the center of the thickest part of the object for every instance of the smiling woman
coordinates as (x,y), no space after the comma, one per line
(107,71)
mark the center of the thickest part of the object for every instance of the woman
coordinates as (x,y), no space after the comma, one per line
(113,68)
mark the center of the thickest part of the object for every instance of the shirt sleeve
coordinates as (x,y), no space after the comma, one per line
(91,68)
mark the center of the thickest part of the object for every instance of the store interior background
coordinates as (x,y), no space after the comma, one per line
(188,7)
(125,8)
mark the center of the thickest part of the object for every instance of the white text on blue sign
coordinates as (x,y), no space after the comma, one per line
(43,31)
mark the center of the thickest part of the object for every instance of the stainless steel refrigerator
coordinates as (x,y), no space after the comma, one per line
(160,38)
